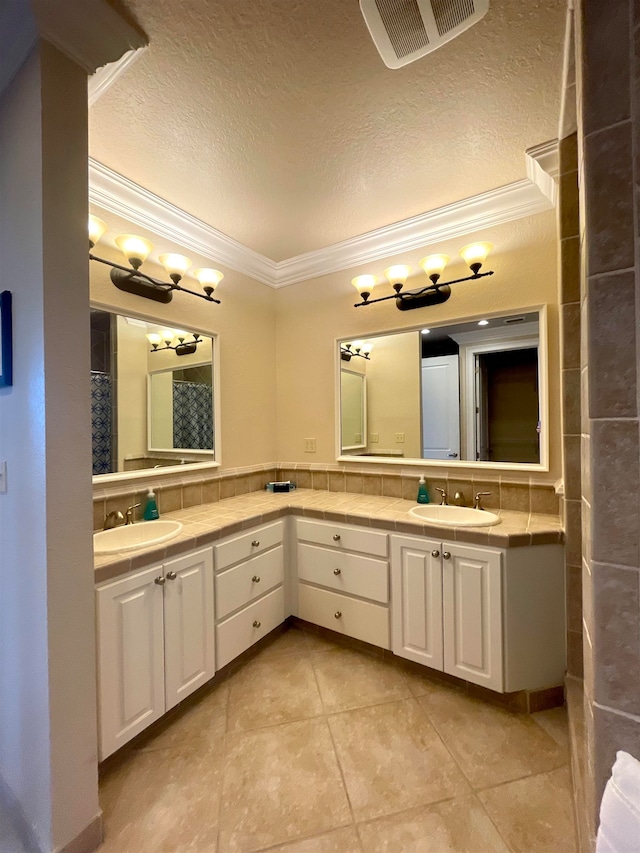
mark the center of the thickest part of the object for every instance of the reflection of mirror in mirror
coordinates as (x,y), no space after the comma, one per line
(468,392)
(354,409)
(151,407)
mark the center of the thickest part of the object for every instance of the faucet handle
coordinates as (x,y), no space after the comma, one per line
(443,495)
(478,501)
(129,513)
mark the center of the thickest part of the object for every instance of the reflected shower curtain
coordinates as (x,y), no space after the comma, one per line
(101,433)
(192,415)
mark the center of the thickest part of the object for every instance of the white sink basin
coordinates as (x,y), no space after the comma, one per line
(454,516)
(130,537)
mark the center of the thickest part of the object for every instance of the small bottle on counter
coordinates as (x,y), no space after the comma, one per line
(423,494)
(151,507)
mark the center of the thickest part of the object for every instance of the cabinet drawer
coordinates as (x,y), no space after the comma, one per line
(359,619)
(343,537)
(240,585)
(343,572)
(237,633)
(248,544)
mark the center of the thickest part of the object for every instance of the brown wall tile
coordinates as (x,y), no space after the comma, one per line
(568,203)
(568,153)
(574,654)
(571,447)
(372,484)
(614,732)
(574,597)
(227,488)
(391,486)
(515,496)
(571,401)
(191,495)
(573,532)
(616,482)
(570,334)
(609,196)
(570,270)
(337,481)
(320,480)
(170,500)
(544,500)
(210,491)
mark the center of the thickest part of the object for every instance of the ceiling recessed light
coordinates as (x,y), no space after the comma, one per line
(483,323)
(425,331)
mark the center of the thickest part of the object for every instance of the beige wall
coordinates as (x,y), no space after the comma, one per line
(245,322)
(312,314)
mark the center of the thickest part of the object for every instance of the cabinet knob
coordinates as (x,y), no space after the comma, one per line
(171,576)
(255,543)
(446,555)
(256,624)
(435,553)
(337,571)
(256,579)
(336,537)
(337,614)
(161,581)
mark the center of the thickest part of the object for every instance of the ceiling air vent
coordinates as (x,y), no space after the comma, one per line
(405,30)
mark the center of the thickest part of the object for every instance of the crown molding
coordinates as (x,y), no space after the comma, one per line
(117,194)
(106,76)
(90,32)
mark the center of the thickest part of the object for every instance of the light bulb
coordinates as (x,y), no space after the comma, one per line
(154,339)
(483,322)
(208,277)
(135,249)
(475,255)
(175,265)
(434,266)
(168,335)
(96,229)
(367,347)
(357,345)
(364,284)
(425,332)
(397,275)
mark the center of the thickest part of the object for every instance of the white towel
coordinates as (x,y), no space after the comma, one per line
(619,830)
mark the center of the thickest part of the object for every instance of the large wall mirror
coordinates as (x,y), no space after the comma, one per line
(152,395)
(473,392)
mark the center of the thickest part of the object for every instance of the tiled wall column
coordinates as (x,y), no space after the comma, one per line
(609,169)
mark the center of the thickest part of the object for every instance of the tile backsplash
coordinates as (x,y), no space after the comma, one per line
(507,492)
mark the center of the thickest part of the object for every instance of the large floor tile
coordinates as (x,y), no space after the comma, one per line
(162,801)
(555,723)
(289,642)
(272,690)
(281,784)
(490,744)
(351,679)
(338,841)
(393,759)
(455,826)
(534,813)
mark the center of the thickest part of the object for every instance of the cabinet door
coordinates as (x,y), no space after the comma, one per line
(416,578)
(472,589)
(130,657)
(188,625)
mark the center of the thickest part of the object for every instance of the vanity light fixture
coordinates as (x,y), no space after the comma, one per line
(132,280)
(483,322)
(181,348)
(474,254)
(357,348)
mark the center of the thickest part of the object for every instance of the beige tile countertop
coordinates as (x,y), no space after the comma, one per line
(206,523)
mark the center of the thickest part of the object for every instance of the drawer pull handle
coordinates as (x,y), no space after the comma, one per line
(256,579)
(435,553)
(446,555)
(255,543)
(337,614)
(171,576)
(161,581)
(337,571)
(256,624)
(336,537)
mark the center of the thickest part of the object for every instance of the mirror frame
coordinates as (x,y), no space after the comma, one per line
(543,391)
(364,405)
(116,478)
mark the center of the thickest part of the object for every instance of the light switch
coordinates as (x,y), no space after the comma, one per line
(309,445)
(374,437)
(399,438)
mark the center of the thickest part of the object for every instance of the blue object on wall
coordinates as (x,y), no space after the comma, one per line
(6,340)
(101,435)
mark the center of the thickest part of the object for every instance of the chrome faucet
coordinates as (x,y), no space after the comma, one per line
(459,499)
(129,513)
(443,496)
(478,501)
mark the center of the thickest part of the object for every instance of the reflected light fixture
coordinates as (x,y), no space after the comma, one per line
(181,348)
(359,349)
(132,280)
(475,254)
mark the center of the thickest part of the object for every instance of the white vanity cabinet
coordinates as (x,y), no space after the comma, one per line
(490,616)
(249,588)
(343,579)
(155,644)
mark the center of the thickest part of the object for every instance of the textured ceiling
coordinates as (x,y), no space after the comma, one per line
(276,122)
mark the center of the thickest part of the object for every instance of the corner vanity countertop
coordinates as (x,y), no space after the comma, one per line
(205,523)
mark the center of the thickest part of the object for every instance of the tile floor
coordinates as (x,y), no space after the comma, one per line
(312,747)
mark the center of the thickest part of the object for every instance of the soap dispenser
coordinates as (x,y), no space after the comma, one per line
(423,494)
(151,507)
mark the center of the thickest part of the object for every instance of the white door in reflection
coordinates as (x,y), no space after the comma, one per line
(441,407)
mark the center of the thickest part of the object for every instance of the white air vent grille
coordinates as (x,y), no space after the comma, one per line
(449,14)
(405,30)
(403,23)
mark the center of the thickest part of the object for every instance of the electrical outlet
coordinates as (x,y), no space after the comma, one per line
(309,445)
(358,438)
(374,437)
(399,438)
